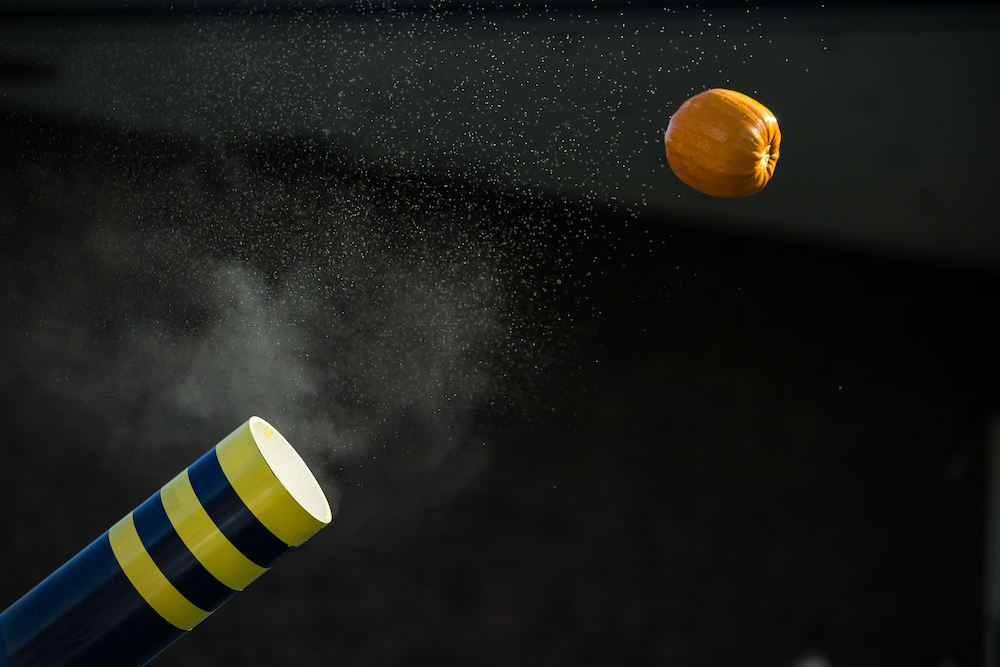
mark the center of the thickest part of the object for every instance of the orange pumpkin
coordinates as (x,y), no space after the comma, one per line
(723,143)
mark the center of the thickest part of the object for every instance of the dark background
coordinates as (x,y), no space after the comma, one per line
(703,445)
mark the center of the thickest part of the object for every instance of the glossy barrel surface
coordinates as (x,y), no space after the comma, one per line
(171,562)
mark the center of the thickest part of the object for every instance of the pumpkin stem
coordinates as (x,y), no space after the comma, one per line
(765,157)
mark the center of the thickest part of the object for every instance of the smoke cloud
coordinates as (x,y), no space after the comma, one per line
(161,293)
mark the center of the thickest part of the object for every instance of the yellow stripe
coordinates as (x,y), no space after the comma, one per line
(202,537)
(148,580)
(260,490)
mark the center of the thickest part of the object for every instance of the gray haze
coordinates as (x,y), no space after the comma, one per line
(162,293)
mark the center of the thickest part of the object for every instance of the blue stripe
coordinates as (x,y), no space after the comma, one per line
(4,657)
(85,613)
(232,517)
(175,560)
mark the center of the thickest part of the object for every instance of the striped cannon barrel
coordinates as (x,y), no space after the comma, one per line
(172,561)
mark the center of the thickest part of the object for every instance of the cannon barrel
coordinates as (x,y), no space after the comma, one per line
(172,561)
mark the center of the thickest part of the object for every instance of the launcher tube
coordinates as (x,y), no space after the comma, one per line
(172,561)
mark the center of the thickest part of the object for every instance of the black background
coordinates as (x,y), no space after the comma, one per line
(733,447)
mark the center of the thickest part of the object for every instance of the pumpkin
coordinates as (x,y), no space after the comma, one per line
(723,143)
